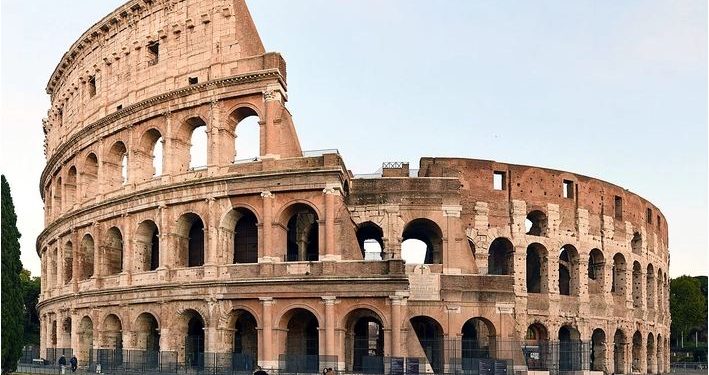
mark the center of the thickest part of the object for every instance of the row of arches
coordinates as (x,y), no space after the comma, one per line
(148,157)
(539,261)
(238,231)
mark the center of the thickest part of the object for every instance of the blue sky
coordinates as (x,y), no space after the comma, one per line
(613,90)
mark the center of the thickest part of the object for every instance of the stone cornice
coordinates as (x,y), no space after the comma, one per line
(147,103)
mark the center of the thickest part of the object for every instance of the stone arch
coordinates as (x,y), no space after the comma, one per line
(52,265)
(569,271)
(570,349)
(89,176)
(86,340)
(536,223)
(478,340)
(302,232)
(430,338)
(58,195)
(190,240)
(146,331)
(598,350)
(112,332)
(636,351)
(370,238)
(115,166)
(149,155)
(302,340)
(245,123)
(618,274)
(651,356)
(596,271)
(86,257)
(113,252)
(536,270)
(147,246)
(70,187)
(68,262)
(650,287)
(187,138)
(500,259)
(660,355)
(636,243)
(536,347)
(428,232)
(242,337)
(364,341)
(192,325)
(620,342)
(637,284)
(239,231)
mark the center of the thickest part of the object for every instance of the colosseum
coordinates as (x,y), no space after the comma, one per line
(289,261)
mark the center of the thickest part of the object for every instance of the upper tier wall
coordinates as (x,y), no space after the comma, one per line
(146,48)
(539,187)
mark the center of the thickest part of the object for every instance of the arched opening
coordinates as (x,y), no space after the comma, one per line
(86,341)
(568,271)
(478,342)
(58,195)
(190,232)
(536,347)
(66,330)
(596,265)
(302,341)
(650,287)
(660,358)
(111,347)
(68,262)
(370,237)
(598,350)
(89,176)
(53,336)
(244,341)
(303,234)
(147,334)
(198,142)
(537,268)
(636,244)
(245,237)
(247,134)
(651,368)
(48,199)
(113,252)
(87,257)
(52,274)
(637,285)
(660,295)
(536,223)
(147,242)
(619,343)
(149,155)
(194,339)
(429,233)
(70,188)
(430,336)
(364,342)
(618,272)
(115,166)
(570,349)
(637,350)
(500,259)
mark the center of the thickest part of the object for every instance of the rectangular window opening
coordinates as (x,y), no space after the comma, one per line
(648,216)
(657,222)
(119,107)
(153,53)
(92,86)
(193,80)
(499,180)
(568,189)
(618,207)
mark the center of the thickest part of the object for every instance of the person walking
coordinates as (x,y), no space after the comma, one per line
(74,363)
(62,363)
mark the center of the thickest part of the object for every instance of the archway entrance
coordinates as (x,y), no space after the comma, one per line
(86,341)
(302,342)
(478,342)
(430,337)
(244,342)
(536,347)
(569,349)
(598,350)
(194,340)
(364,342)
(619,343)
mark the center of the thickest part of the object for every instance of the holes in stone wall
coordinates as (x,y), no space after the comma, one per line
(500,259)
(370,239)
(536,223)
(427,232)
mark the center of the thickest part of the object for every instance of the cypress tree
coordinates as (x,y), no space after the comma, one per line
(12,301)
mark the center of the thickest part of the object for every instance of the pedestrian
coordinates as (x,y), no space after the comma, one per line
(62,363)
(74,363)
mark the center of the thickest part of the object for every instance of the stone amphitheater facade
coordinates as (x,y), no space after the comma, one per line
(265,259)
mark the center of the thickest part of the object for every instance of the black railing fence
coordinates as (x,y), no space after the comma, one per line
(441,356)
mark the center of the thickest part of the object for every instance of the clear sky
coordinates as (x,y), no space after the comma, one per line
(615,90)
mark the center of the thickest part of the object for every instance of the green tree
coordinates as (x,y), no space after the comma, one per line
(688,305)
(12,304)
(30,294)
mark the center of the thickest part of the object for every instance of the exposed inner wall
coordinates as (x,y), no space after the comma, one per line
(144,49)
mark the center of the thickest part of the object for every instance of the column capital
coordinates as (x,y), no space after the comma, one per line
(267,194)
(329,300)
(331,191)
(266,300)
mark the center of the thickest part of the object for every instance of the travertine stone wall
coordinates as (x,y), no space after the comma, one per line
(539,256)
